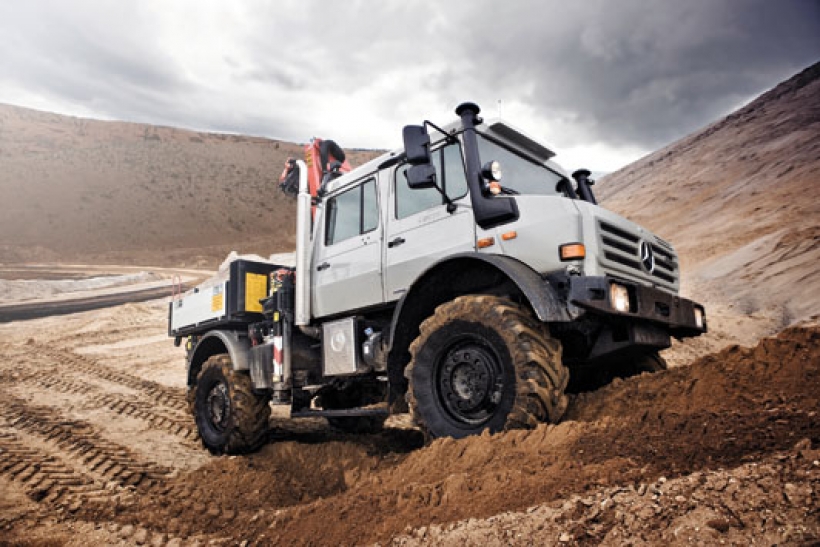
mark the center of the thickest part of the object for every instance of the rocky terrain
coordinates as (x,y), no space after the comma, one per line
(97,446)
(725,449)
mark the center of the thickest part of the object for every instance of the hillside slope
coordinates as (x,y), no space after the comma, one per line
(113,192)
(740,200)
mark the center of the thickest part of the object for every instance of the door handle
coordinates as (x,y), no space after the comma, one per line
(323,266)
(395,242)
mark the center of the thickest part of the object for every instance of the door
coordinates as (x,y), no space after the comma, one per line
(347,261)
(419,229)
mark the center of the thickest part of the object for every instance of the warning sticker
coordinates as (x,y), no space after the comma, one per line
(218,299)
(256,288)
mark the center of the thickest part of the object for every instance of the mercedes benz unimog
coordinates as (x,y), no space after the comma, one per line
(466,278)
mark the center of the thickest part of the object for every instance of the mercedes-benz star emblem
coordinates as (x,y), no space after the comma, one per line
(647,257)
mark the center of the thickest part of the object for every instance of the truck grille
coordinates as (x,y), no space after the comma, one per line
(622,254)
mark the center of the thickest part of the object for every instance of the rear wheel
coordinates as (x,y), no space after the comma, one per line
(231,418)
(484,362)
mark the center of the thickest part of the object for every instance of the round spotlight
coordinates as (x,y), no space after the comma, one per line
(491,171)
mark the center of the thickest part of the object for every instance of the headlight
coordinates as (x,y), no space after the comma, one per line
(619,297)
(699,318)
(491,171)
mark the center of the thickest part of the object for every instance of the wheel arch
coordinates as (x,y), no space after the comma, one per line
(467,273)
(216,342)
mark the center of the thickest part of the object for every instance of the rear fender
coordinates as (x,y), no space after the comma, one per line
(214,343)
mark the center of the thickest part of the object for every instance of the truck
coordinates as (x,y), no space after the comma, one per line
(465,278)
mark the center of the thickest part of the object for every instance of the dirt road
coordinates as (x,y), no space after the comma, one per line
(20,312)
(96,447)
(29,291)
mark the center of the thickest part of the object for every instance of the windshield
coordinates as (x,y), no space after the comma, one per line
(523,175)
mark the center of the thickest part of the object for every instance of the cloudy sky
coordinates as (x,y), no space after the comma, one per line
(601,82)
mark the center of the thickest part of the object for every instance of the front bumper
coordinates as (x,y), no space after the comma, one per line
(649,304)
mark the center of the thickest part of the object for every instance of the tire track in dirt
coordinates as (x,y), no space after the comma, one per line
(109,461)
(66,464)
(94,479)
(169,397)
(45,478)
(124,405)
(54,484)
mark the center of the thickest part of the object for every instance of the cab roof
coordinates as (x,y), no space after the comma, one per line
(497,128)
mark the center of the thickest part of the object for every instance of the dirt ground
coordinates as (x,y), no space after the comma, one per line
(97,447)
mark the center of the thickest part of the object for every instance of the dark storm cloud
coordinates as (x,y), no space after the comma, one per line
(640,72)
(628,74)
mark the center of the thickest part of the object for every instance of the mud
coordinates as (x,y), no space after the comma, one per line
(96,447)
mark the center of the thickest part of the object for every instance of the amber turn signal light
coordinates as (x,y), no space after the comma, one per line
(509,235)
(572,251)
(485,242)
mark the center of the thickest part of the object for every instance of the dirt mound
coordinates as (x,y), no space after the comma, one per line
(734,380)
(766,503)
(734,407)
(698,448)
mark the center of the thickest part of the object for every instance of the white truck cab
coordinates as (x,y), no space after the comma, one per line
(466,278)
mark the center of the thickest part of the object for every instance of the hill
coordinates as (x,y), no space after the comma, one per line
(80,190)
(740,200)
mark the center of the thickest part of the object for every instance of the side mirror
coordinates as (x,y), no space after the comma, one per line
(420,177)
(416,145)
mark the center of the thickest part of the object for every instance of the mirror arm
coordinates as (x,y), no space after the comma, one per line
(451,207)
(450,138)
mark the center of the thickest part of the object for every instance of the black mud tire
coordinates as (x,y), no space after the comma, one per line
(230,417)
(484,363)
(624,367)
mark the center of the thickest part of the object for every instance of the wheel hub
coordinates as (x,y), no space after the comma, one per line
(469,383)
(218,405)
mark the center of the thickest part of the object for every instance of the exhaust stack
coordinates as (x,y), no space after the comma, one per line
(303,222)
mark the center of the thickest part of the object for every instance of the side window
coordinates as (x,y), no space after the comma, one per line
(450,176)
(370,207)
(455,180)
(351,213)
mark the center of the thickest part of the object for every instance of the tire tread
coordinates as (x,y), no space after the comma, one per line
(540,374)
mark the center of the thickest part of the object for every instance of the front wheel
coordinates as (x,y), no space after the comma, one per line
(484,362)
(231,418)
